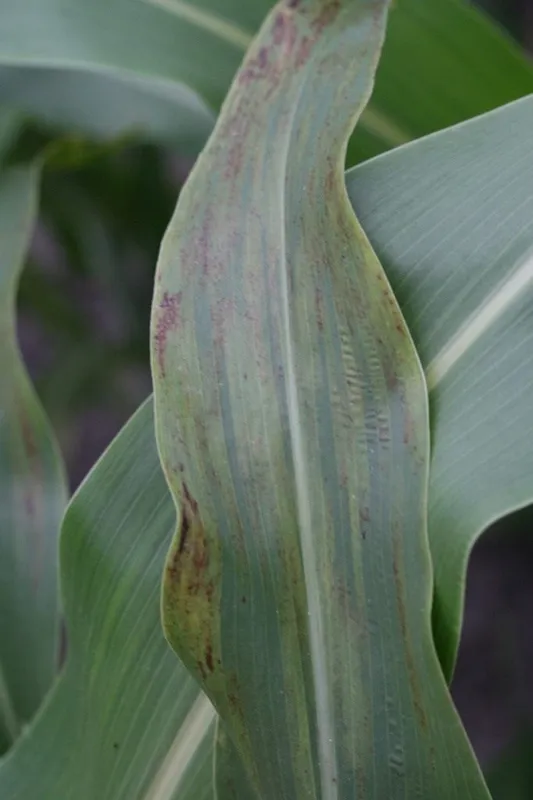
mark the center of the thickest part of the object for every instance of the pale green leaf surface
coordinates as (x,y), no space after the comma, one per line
(451,219)
(436,69)
(125,721)
(291,417)
(32,486)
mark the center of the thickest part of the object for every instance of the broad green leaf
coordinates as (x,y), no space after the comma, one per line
(451,219)
(291,417)
(10,122)
(32,486)
(443,62)
(109,106)
(125,721)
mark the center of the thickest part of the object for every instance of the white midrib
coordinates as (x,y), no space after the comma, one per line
(374,121)
(190,736)
(324,711)
(484,317)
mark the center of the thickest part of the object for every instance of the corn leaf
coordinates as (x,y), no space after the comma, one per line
(443,62)
(291,417)
(32,486)
(452,222)
(125,721)
(454,210)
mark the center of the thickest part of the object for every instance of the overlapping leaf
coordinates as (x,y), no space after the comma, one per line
(435,69)
(452,222)
(32,487)
(291,421)
(125,720)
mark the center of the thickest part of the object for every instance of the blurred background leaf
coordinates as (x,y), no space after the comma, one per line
(32,490)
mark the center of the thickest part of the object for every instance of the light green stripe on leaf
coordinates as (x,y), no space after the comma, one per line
(207,21)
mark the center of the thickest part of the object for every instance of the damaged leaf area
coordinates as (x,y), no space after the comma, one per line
(292,424)
(192,583)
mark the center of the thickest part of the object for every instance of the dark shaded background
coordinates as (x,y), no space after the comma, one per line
(84,314)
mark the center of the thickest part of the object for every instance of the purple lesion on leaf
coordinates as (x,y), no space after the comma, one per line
(28,434)
(221,316)
(327,15)
(416,692)
(319,307)
(188,521)
(262,58)
(280,28)
(304,51)
(168,319)
(191,591)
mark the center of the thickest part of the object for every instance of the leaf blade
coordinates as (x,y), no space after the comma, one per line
(32,488)
(278,460)
(455,240)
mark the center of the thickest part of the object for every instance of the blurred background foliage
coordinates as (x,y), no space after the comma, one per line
(84,306)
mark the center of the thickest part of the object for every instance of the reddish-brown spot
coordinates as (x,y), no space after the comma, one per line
(407,429)
(364,519)
(383,432)
(326,16)
(209,658)
(391,379)
(168,320)
(319,307)
(29,504)
(189,509)
(201,669)
(304,51)
(330,181)
(221,316)
(280,27)
(28,438)
(400,602)
(262,58)
(204,241)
